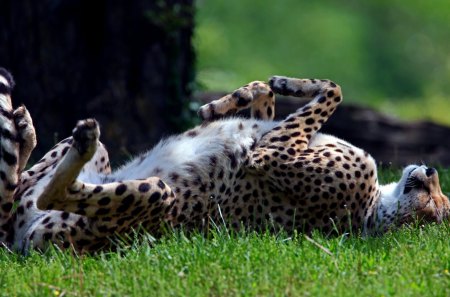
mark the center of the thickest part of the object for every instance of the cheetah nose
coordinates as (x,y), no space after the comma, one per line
(430,171)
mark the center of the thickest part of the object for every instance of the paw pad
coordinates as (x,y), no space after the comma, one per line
(85,135)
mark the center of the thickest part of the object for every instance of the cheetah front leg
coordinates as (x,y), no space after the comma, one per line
(112,207)
(257,95)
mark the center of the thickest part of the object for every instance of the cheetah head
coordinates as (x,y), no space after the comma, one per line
(419,194)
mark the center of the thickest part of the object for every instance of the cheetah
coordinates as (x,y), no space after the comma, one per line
(253,173)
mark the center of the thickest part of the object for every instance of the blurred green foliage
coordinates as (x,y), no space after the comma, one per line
(393,55)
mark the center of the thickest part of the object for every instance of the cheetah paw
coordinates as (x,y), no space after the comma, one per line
(24,126)
(85,135)
(227,105)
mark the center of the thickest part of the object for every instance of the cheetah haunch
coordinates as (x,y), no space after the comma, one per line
(255,173)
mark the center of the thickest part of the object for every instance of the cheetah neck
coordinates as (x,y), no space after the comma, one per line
(390,209)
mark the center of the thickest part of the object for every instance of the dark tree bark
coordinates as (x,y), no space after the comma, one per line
(127,63)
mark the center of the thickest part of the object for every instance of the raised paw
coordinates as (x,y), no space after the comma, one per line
(285,86)
(26,134)
(256,95)
(24,127)
(86,134)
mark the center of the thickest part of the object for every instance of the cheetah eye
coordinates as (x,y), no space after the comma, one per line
(413,183)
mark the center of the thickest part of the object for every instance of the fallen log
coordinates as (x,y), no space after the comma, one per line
(389,140)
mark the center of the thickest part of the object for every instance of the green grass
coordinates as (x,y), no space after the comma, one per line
(413,261)
(391,55)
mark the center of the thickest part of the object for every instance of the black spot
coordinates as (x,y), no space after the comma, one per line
(339,174)
(121,189)
(198,207)
(291,151)
(181,218)
(322,99)
(126,203)
(154,197)
(241,101)
(102,211)
(20,210)
(7,207)
(284,157)
(9,158)
(97,189)
(285,138)
(64,151)
(174,176)
(137,211)
(187,194)
(104,201)
(82,205)
(305,114)
(161,185)
(144,187)
(47,236)
(309,121)
(65,215)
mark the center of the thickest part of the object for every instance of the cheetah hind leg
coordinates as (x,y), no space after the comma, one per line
(116,206)
(257,95)
(297,129)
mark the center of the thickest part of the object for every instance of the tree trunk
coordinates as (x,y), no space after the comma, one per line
(127,63)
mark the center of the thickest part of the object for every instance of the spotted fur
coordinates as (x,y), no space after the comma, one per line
(256,173)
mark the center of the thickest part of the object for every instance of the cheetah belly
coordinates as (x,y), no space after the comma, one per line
(196,150)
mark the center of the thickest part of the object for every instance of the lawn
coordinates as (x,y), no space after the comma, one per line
(412,261)
(391,55)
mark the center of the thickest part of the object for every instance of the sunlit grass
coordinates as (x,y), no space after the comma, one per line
(385,54)
(412,261)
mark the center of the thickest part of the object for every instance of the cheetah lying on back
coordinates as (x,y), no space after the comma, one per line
(255,173)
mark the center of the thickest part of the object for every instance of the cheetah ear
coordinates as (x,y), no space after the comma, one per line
(8,77)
